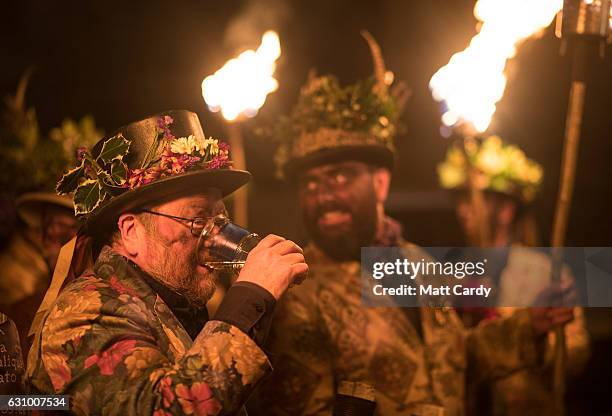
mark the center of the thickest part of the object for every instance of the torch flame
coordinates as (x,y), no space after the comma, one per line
(241,86)
(473,81)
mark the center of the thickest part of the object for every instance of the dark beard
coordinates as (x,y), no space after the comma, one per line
(345,246)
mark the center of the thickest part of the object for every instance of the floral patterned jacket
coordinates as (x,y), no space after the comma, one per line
(114,346)
(322,335)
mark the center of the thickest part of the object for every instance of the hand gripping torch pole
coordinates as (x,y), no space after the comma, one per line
(584,25)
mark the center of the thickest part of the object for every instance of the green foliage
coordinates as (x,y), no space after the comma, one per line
(30,159)
(119,172)
(97,177)
(114,149)
(323,102)
(87,197)
(70,180)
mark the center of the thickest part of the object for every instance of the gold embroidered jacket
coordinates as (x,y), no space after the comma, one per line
(322,335)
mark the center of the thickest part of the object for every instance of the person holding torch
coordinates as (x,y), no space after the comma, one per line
(509,182)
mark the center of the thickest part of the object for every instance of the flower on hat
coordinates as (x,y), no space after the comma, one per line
(499,166)
(186,145)
(106,175)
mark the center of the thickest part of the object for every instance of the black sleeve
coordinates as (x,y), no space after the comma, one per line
(249,307)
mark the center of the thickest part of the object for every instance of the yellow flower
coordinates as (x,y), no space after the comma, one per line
(214,146)
(491,160)
(141,359)
(451,176)
(455,156)
(534,174)
(180,146)
(186,145)
(501,167)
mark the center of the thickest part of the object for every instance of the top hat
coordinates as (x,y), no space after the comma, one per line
(146,162)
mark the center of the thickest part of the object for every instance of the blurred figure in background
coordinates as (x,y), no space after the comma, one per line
(47,222)
(507,183)
(37,221)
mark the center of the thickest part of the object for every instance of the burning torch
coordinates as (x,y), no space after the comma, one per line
(238,90)
(584,26)
(474,79)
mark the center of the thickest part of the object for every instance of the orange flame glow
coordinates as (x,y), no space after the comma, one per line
(241,86)
(474,79)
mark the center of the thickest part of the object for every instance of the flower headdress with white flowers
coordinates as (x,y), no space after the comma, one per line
(501,167)
(106,175)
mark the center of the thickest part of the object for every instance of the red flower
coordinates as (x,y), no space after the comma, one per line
(108,360)
(134,179)
(165,386)
(161,412)
(218,162)
(80,153)
(163,124)
(138,177)
(198,399)
(224,147)
(151,175)
(89,287)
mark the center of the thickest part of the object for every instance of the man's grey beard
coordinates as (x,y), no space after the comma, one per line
(180,276)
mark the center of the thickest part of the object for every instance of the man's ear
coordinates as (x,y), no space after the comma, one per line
(382,180)
(130,229)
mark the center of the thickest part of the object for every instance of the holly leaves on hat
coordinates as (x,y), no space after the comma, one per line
(97,177)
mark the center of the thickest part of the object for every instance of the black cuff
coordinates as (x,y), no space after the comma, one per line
(249,307)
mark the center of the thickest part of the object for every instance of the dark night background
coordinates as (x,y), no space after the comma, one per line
(122,60)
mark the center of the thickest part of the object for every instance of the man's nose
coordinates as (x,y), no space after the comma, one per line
(324,195)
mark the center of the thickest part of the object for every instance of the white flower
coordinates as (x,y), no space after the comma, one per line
(214,146)
(199,143)
(187,145)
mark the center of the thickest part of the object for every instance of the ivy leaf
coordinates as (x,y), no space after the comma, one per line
(70,180)
(87,197)
(118,172)
(114,148)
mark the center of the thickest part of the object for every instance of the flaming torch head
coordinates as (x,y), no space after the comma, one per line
(241,86)
(474,80)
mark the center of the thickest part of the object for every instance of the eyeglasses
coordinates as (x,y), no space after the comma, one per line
(334,179)
(197,225)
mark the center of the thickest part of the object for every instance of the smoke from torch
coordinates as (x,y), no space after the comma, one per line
(474,79)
